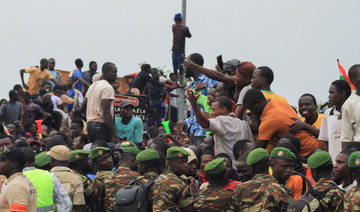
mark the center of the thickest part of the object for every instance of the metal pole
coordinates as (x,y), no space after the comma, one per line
(181,97)
(183,11)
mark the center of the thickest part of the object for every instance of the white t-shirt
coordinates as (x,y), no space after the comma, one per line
(330,131)
(173,100)
(350,127)
(98,91)
(227,131)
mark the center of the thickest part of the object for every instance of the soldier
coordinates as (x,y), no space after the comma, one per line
(19,193)
(79,164)
(171,193)
(262,192)
(214,197)
(330,196)
(71,182)
(42,161)
(148,166)
(103,163)
(352,197)
(119,178)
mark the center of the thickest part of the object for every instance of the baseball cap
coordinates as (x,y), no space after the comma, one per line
(14,153)
(177,16)
(59,152)
(125,103)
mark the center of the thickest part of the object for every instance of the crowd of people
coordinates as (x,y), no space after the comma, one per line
(239,146)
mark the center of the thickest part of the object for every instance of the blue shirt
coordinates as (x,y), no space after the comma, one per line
(72,93)
(193,127)
(53,74)
(77,73)
(133,131)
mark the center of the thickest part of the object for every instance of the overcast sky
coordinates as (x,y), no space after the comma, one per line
(299,40)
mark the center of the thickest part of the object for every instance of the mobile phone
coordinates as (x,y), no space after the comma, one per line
(220,62)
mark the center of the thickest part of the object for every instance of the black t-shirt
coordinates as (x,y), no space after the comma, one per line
(180,32)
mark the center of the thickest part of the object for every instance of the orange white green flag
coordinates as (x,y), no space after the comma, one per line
(344,76)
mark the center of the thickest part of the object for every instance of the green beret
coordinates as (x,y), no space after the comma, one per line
(257,155)
(215,166)
(132,150)
(42,159)
(176,152)
(318,159)
(98,151)
(282,153)
(147,154)
(78,155)
(354,160)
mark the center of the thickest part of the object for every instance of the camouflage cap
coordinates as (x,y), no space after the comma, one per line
(132,150)
(78,155)
(354,160)
(42,159)
(98,151)
(147,154)
(257,155)
(215,166)
(176,152)
(282,153)
(59,152)
(318,159)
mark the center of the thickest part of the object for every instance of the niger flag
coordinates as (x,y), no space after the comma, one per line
(344,76)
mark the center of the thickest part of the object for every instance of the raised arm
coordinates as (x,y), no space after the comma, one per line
(201,119)
(212,74)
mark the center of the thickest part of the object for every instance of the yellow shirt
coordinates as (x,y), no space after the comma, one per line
(36,79)
(317,124)
(269,95)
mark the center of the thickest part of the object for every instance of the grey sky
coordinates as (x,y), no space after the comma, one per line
(299,40)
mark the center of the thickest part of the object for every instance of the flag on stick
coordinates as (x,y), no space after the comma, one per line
(344,76)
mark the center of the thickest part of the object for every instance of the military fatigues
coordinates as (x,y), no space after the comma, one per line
(171,193)
(213,198)
(72,184)
(99,188)
(144,179)
(115,181)
(333,199)
(262,193)
(352,199)
(88,191)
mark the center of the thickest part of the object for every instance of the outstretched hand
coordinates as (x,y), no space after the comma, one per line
(191,96)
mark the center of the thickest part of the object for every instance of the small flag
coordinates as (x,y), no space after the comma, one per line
(344,76)
(6,130)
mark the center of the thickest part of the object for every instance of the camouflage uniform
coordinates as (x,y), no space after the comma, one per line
(213,198)
(144,179)
(99,187)
(113,182)
(333,199)
(262,193)
(352,199)
(88,191)
(171,193)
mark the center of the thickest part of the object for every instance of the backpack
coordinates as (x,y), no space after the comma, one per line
(310,201)
(133,198)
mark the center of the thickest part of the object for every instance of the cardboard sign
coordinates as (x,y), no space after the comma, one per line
(141,102)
